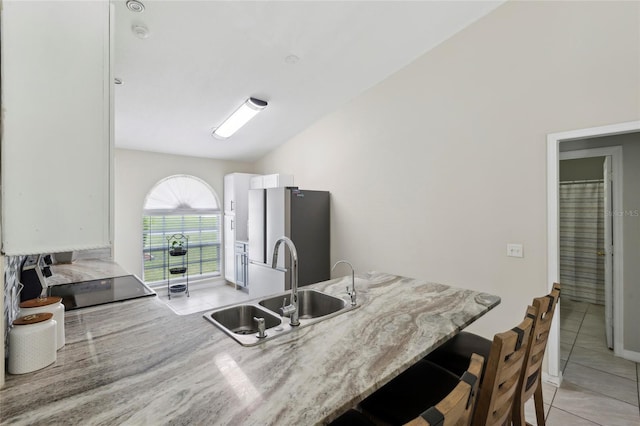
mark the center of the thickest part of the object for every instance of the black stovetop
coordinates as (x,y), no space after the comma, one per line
(97,292)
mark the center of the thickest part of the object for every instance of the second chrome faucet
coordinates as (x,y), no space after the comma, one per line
(351,293)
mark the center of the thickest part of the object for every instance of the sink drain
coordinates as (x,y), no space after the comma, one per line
(245,331)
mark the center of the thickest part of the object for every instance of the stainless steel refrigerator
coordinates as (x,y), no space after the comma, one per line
(301,215)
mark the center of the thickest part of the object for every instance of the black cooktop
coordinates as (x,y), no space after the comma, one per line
(98,292)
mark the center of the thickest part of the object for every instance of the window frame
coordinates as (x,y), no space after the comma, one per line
(152,244)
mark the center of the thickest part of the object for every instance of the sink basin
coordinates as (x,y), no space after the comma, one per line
(311,303)
(239,320)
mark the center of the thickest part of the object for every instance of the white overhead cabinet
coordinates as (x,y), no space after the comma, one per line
(236,215)
(276,180)
(229,248)
(57,126)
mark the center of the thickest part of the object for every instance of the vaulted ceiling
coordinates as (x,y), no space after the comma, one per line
(186,65)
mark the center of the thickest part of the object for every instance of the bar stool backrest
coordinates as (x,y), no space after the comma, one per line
(504,366)
(456,409)
(530,377)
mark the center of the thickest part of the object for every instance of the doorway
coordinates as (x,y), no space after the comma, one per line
(556,143)
(586,228)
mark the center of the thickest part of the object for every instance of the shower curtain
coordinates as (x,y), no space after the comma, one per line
(581,238)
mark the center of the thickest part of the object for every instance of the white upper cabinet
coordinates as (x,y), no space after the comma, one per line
(57,126)
(229,193)
(236,215)
(236,201)
(229,248)
(277,180)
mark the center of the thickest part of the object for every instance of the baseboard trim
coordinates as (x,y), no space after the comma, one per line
(631,355)
(552,380)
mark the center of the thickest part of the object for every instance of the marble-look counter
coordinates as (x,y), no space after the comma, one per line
(138,363)
(84,270)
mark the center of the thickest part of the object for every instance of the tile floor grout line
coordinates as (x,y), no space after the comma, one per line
(600,394)
(637,365)
(597,369)
(553,398)
(578,416)
(573,344)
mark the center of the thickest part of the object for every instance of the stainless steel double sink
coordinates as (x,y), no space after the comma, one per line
(239,321)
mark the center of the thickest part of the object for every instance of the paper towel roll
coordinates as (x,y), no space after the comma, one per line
(32,345)
(47,304)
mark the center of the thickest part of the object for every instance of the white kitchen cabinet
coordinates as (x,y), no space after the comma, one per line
(277,180)
(56,157)
(229,248)
(242,264)
(229,194)
(236,201)
(236,215)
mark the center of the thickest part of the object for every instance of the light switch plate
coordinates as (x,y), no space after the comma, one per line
(515,250)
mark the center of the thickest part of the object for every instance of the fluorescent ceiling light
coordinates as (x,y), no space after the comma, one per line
(239,118)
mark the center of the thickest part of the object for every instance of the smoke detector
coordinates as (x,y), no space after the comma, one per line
(135,6)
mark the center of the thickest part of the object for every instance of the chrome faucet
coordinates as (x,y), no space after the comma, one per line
(351,293)
(292,308)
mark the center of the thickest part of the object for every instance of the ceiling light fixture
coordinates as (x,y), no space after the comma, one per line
(239,118)
(135,6)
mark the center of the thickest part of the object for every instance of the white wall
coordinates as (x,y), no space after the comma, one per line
(433,171)
(136,172)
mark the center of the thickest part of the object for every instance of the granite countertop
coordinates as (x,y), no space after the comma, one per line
(138,363)
(84,270)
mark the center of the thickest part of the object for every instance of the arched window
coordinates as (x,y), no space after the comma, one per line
(186,205)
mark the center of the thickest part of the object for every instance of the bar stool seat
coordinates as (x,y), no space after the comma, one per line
(352,418)
(402,400)
(455,353)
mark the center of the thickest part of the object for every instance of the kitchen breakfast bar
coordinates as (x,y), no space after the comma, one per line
(138,363)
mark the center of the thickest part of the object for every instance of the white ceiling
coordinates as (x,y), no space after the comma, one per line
(202,59)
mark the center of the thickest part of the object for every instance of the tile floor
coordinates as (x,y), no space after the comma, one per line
(598,388)
(204,295)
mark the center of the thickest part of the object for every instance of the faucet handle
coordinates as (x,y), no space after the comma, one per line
(352,295)
(288,310)
(261,328)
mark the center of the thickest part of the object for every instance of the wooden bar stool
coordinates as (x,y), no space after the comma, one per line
(502,374)
(530,384)
(393,403)
(456,408)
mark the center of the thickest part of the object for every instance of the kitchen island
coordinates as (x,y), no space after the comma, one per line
(137,363)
